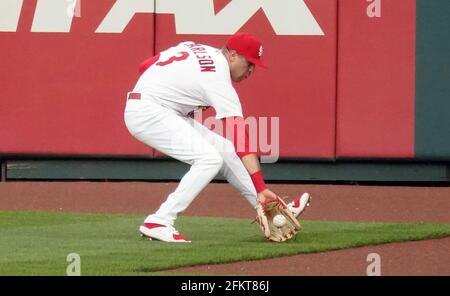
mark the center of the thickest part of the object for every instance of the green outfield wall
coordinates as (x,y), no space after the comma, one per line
(387,171)
(432,112)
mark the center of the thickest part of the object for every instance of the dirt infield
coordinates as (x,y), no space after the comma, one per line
(330,202)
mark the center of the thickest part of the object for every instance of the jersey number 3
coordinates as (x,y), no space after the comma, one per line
(179,57)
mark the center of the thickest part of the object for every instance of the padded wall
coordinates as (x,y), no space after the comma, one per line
(299,86)
(376,80)
(63,80)
(432,139)
(64,92)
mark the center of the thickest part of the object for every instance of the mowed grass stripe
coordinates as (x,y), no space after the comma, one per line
(37,243)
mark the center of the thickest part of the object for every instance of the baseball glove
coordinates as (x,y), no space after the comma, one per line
(265,214)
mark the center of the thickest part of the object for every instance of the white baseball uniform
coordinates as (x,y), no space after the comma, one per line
(184,78)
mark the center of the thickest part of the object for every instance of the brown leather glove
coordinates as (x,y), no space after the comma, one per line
(265,212)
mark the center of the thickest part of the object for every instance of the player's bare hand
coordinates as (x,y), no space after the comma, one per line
(266,196)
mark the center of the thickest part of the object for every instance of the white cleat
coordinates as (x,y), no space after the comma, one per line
(165,233)
(299,204)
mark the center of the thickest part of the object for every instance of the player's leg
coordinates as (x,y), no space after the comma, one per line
(233,170)
(236,174)
(174,136)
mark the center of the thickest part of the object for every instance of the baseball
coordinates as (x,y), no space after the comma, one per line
(279,220)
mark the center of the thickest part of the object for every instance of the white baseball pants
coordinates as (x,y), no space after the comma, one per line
(188,141)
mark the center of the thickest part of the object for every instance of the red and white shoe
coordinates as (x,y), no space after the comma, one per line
(165,233)
(298,205)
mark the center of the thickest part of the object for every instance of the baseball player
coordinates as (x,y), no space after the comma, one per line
(177,82)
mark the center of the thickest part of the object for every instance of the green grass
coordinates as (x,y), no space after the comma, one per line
(37,243)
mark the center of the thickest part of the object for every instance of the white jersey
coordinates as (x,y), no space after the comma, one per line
(190,76)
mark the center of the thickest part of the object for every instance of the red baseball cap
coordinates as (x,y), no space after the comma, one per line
(247,46)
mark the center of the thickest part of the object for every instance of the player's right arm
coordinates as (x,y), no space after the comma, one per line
(236,126)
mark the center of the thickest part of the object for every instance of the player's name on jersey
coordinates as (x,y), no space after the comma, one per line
(205,61)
